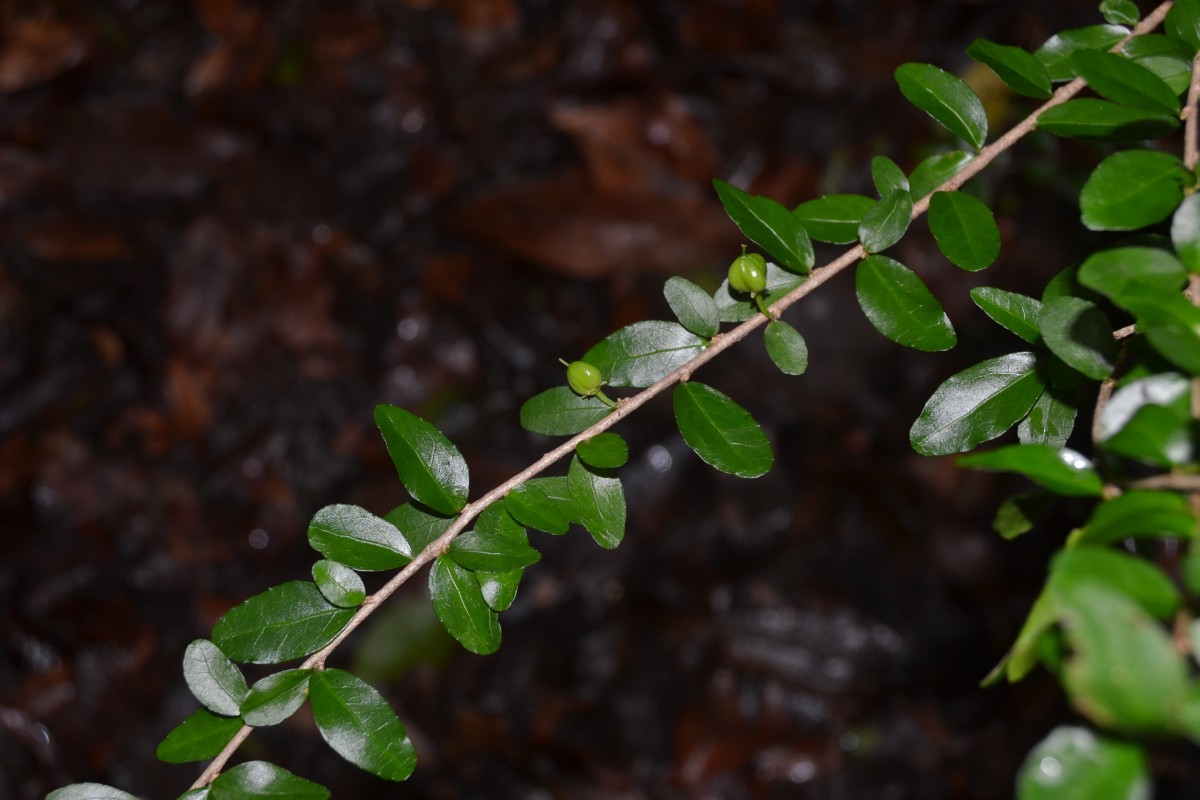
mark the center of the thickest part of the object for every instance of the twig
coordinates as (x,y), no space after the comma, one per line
(628,405)
(1172,481)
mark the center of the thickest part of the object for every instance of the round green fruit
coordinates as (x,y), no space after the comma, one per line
(748,273)
(583,378)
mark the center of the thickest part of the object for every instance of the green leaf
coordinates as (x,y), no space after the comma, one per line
(1056,54)
(1050,421)
(459,604)
(1016,313)
(897,303)
(934,171)
(357,538)
(1133,578)
(89,791)
(834,218)
(539,504)
(1104,121)
(694,307)
(418,526)
(721,432)
(888,176)
(261,780)
(1132,189)
(287,621)
(1078,332)
(946,98)
(201,736)
(769,225)
(599,502)
(643,353)
(604,450)
(1139,514)
(965,230)
(1183,22)
(738,307)
(339,584)
(886,221)
(1058,469)
(1115,272)
(1185,232)
(500,588)
(1025,652)
(430,467)
(486,552)
(1164,389)
(1154,435)
(1125,82)
(1075,762)
(194,794)
(561,412)
(977,405)
(276,697)
(1168,58)
(1170,323)
(214,680)
(786,347)
(358,724)
(1019,513)
(1020,70)
(1120,12)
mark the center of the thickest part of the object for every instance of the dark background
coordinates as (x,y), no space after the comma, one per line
(228,229)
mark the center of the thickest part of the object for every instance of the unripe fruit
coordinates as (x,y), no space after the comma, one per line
(748,273)
(583,378)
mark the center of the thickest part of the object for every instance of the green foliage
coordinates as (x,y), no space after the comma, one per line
(1057,54)
(341,585)
(539,504)
(214,680)
(285,622)
(1018,68)
(604,451)
(1080,334)
(1014,312)
(965,230)
(641,354)
(561,412)
(786,347)
(887,176)
(885,222)
(597,502)
(721,432)
(694,307)
(769,225)
(357,722)
(276,697)
(945,98)
(834,218)
(260,780)
(1132,189)
(201,736)
(458,602)
(1060,470)
(1125,82)
(897,303)
(89,791)
(1075,762)
(357,538)
(1105,121)
(936,170)
(430,467)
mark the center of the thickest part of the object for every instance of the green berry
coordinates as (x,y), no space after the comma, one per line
(583,378)
(748,273)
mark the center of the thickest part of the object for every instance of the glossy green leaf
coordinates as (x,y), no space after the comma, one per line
(604,450)
(1168,58)
(1058,469)
(786,347)
(430,467)
(459,604)
(1169,322)
(1139,514)
(599,502)
(358,724)
(694,307)
(977,405)
(946,98)
(1164,389)
(1050,420)
(89,791)
(214,680)
(1016,313)
(419,526)
(1024,654)
(1104,121)
(339,584)
(261,780)
(499,588)
(1075,762)
(934,171)
(276,697)
(561,412)
(536,503)
(1154,435)
(1122,81)
(643,353)
(1132,189)
(834,218)
(1019,69)
(885,222)
(357,538)
(887,176)
(1129,576)
(1080,334)
(965,230)
(485,552)
(1183,22)
(287,621)
(1120,12)
(199,737)
(738,307)
(1019,513)
(1056,54)
(900,307)
(1185,232)
(1115,272)
(720,431)
(769,225)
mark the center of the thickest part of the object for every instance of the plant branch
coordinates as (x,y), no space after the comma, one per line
(1171,481)
(719,344)
(1190,151)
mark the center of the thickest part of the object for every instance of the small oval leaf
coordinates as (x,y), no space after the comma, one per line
(358,724)
(459,604)
(276,697)
(287,621)
(430,467)
(357,538)
(720,431)
(1020,70)
(834,218)
(561,412)
(694,307)
(339,584)
(946,98)
(1105,121)
(486,552)
(1132,189)
(897,303)
(641,354)
(886,221)
(542,503)
(769,225)
(1014,312)
(604,451)
(201,736)
(1078,332)
(965,230)
(786,347)
(214,680)
(598,501)
(261,780)
(1058,469)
